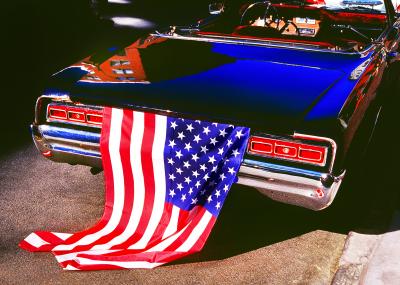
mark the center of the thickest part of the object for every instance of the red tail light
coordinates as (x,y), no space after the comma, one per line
(58,113)
(288,150)
(74,114)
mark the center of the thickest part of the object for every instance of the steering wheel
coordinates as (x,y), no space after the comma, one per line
(269,12)
(287,24)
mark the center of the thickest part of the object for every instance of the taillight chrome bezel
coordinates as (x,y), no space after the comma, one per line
(299,143)
(84,111)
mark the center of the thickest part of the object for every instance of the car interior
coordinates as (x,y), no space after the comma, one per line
(351,28)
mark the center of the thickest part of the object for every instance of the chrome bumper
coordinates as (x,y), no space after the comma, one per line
(308,189)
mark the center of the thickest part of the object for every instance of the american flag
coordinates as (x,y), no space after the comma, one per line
(166,181)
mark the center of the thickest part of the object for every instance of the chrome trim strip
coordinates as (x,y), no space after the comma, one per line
(281,169)
(260,42)
(68,150)
(70,135)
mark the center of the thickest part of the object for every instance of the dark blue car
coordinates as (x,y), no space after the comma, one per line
(305,76)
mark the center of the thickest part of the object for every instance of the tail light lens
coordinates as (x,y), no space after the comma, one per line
(288,150)
(75,114)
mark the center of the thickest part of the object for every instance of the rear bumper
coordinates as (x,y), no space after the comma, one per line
(308,189)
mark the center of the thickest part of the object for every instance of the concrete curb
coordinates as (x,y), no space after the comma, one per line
(371,259)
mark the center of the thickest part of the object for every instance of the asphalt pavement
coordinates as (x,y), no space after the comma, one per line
(254,241)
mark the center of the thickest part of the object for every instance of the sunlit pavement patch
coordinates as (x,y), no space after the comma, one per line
(371,259)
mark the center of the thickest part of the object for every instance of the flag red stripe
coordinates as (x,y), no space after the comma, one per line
(159,232)
(27,246)
(204,236)
(91,267)
(50,238)
(195,214)
(148,175)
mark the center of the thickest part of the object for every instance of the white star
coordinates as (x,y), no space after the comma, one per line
(181,136)
(187,180)
(222,176)
(203,167)
(179,186)
(202,192)
(194,201)
(172,177)
(171,161)
(188,146)
(218,205)
(195,157)
(190,191)
(178,154)
(215,124)
(229,143)
(197,139)
(212,183)
(213,141)
(226,160)
(221,151)
(173,125)
(226,188)
(235,153)
(172,143)
(198,184)
(179,170)
(206,130)
(183,198)
(198,121)
(231,126)
(209,199)
(222,133)
(172,193)
(204,149)
(195,173)
(239,134)
(189,128)
(214,169)
(186,164)
(211,159)
(217,193)
(231,170)
(206,177)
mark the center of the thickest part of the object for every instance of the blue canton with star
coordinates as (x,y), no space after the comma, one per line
(202,160)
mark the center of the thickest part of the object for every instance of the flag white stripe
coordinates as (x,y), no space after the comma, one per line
(168,241)
(196,233)
(35,240)
(70,256)
(118,178)
(124,264)
(159,180)
(139,189)
(173,222)
(62,236)
(70,267)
